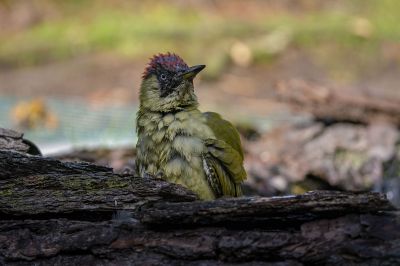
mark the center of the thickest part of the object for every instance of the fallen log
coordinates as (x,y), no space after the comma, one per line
(259,211)
(356,239)
(329,105)
(33,185)
(61,213)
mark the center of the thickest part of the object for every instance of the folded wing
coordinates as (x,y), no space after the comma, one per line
(223,163)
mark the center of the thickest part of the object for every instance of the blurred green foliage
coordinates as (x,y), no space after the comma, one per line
(358,28)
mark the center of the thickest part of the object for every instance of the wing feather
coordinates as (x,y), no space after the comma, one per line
(225,157)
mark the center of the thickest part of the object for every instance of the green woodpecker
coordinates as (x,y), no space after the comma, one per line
(177,142)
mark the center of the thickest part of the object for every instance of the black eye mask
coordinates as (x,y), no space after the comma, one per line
(168,82)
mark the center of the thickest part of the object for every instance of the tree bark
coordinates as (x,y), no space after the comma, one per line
(354,239)
(33,185)
(61,213)
(256,211)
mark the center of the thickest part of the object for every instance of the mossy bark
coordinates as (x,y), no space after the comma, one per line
(63,213)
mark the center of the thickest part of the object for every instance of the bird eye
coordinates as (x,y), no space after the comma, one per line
(163,77)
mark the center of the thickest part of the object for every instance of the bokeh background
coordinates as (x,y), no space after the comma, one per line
(70,73)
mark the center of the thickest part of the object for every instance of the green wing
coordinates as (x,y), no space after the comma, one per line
(224,160)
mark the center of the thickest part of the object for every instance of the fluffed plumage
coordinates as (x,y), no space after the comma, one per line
(177,142)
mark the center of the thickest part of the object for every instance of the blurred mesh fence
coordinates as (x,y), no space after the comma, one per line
(70,124)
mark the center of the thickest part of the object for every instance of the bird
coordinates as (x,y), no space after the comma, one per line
(179,143)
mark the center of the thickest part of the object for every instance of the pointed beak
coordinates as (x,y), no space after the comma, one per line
(192,72)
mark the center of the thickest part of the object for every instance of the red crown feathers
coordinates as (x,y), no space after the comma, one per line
(167,61)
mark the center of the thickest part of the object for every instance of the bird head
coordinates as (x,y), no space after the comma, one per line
(167,84)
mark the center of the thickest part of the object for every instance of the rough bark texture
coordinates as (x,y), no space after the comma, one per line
(12,140)
(60,213)
(356,239)
(264,211)
(33,185)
